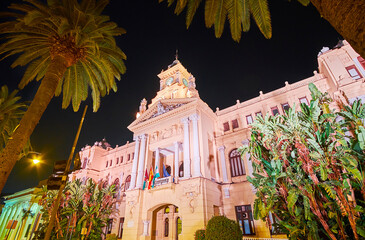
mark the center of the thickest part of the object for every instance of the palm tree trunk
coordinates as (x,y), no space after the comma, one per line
(348,18)
(45,93)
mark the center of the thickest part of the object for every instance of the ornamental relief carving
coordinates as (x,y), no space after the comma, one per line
(171,131)
(191,192)
(132,201)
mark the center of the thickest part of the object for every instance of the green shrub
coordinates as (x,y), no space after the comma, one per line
(222,228)
(200,234)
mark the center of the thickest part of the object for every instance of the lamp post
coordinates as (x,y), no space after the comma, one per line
(64,179)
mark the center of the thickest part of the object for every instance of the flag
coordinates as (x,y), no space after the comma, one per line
(157,175)
(165,173)
(145,179)
(150,178)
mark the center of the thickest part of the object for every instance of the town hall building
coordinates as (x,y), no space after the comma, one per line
(194,150)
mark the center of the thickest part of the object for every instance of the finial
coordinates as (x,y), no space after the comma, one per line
(177,55)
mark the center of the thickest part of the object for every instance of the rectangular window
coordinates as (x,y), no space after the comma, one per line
(111,163)
(304,100)
(120,229)
(84,163)
(106,164)
(117,161)
(129,157)
(121,159)
(249,119)
(285,107)
(274,111)
(245,219)
(226,126)
(258,114)
(354,73)
(234,124)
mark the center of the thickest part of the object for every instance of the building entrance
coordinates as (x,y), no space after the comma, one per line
(166,223)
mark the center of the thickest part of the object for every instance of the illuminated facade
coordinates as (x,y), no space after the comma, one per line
(20,216)
(179,134)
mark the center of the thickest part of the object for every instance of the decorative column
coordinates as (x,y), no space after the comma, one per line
(185,121)
(194,118)
(223,163)
(135,162)
(157,162)
(176,168)
(141,161)
(146,224)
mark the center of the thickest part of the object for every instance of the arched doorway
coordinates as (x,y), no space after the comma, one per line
(164,223)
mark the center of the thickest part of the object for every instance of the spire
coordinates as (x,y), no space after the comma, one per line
(177,55)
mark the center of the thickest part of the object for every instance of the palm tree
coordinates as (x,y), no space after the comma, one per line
(346,16)
(11,112)
(238,13)
(67,45)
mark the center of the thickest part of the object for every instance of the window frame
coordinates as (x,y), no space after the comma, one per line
(306,99)
(275,108)
(127,182)
(353,67)
(283,105)
(240,216)
(237,165)
(259,113)
(120,227)
(247,117)
(166,227)
(226,127)
(235,124)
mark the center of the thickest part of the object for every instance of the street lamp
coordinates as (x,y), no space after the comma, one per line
(36,161)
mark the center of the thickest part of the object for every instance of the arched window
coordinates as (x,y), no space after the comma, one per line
(166,227)
(181,170)
(167,210)
(237,166)
(127,183)
(178,227)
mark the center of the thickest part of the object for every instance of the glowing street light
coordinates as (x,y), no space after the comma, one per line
(36,161)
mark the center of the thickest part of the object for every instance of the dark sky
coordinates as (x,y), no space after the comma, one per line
(225,71)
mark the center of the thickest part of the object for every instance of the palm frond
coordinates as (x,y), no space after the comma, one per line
(261,14)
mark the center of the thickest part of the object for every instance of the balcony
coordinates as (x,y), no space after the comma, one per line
(163,181)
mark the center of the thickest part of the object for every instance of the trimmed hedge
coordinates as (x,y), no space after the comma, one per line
(200,234)
(222,228)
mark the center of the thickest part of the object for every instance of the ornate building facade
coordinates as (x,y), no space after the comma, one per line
(21,215)
(195,151)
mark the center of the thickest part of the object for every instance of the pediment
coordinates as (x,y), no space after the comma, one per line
(161,107)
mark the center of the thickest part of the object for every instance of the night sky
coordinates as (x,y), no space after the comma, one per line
(224,70)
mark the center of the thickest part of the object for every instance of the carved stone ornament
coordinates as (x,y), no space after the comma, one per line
(192,191)
(161,109)
(132,201)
